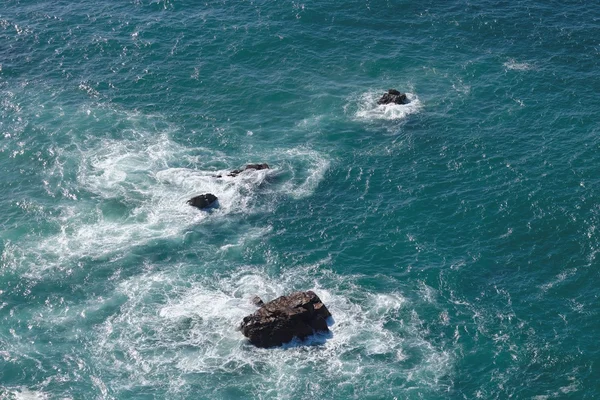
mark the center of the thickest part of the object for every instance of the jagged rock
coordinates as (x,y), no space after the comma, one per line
(257,167)
(393,97)
(257,301)
(202,201)
(299,314)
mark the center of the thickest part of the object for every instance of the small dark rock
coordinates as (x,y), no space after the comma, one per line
(257,167)
(298,315)
(257,301)
(393,97)
(202,201)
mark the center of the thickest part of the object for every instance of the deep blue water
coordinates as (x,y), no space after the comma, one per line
(454,239)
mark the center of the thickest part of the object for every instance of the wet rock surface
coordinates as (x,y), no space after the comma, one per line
(257,167)
(299,314)
(202,201)
(393,96)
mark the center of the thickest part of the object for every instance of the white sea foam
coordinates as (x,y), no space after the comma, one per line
(135,189)
(23,393)
(517,66)
(308,168)
(368,109)
(561,277)
(131,176)
(191,330)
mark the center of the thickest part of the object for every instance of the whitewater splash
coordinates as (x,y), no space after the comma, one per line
(125,191)
(304,180)
(22,393)
(517,66)
(170,328)
(368,109)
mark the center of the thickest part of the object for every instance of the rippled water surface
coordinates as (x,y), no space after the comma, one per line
(454,239)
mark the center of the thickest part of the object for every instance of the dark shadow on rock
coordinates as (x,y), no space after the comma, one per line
(298,315)
(393,97)
(204,201)
(314,340)
(248,167)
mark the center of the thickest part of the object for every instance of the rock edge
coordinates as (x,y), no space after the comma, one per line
(298,314)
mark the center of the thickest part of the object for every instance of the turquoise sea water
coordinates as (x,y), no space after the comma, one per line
(454,239)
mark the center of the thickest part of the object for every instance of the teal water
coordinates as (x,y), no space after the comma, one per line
(454,239)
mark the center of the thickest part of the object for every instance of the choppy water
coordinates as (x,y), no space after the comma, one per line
(454,239)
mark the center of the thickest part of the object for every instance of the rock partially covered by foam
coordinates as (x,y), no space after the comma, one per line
(393,97)
(299,314)
(257,301)
(202,201)
(257,167)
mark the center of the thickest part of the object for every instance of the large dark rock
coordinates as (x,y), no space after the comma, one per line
(298,315)
(257,167)
(393,97)
(202,201)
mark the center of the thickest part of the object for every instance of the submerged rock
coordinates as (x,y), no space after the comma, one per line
(257,167)
(202,201)
(393,97)
(298,315)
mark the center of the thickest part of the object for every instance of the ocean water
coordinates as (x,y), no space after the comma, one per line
(454,239)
